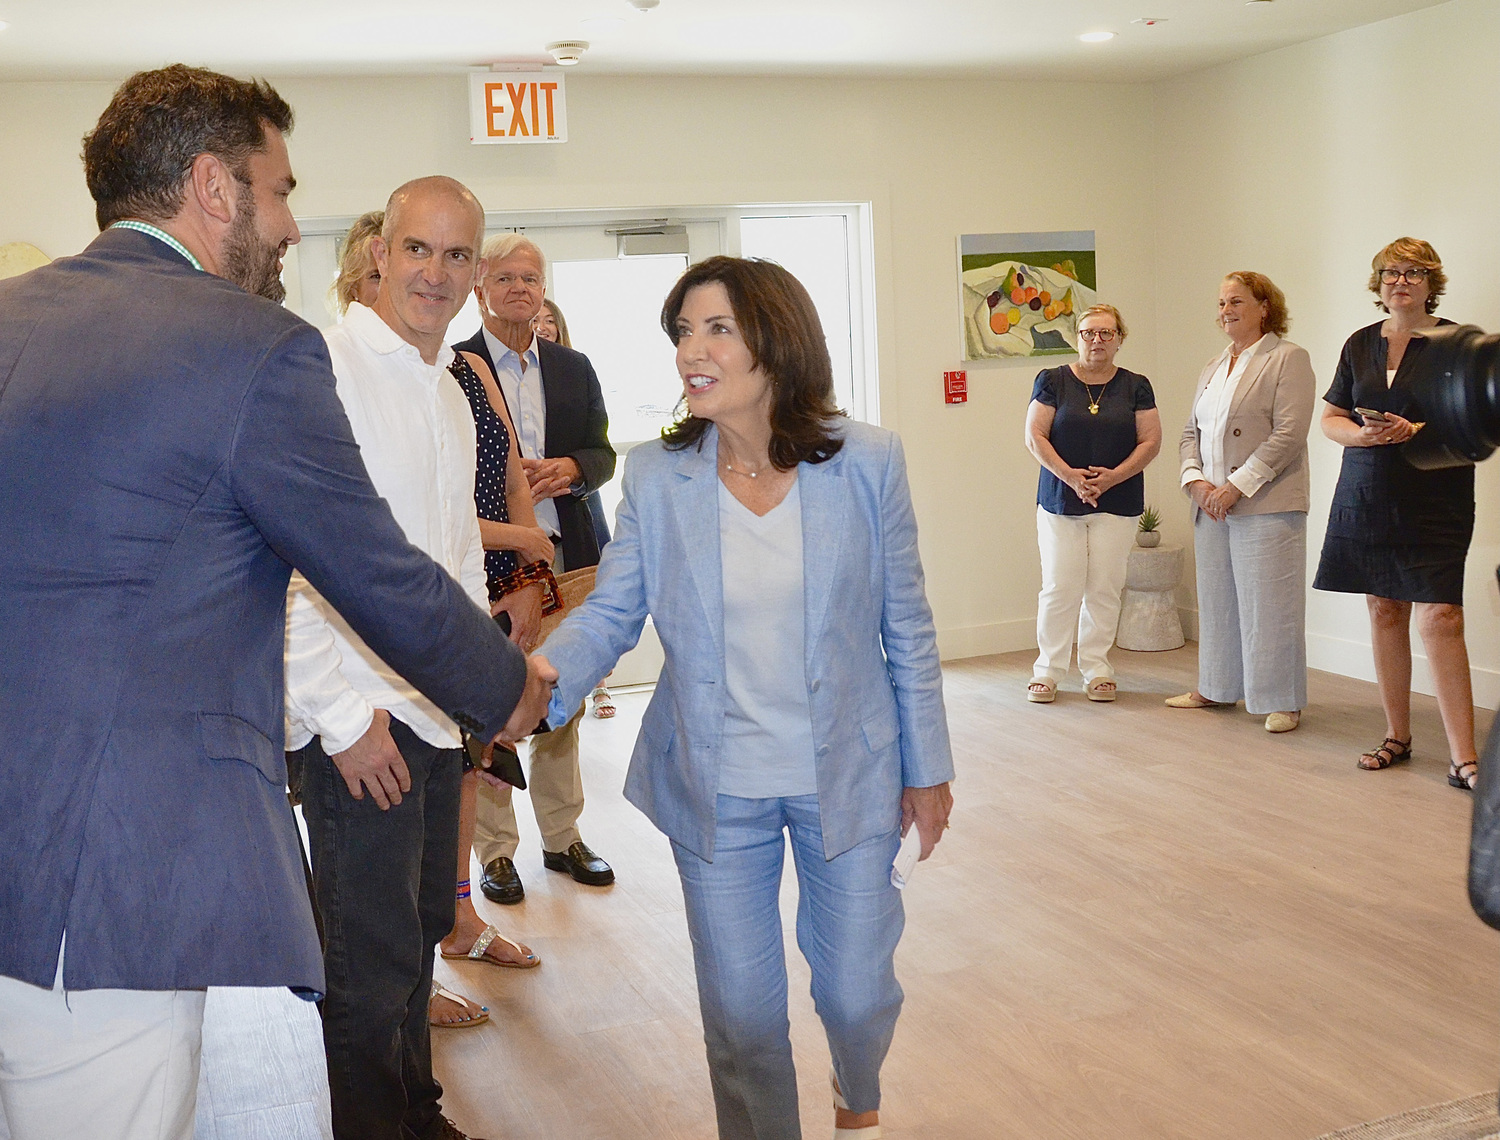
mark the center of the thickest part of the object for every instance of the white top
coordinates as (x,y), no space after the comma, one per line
(519,375)
(416,434)
(1213,421)
(768,741)
(1390,377)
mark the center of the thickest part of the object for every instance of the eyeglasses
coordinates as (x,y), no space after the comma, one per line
(1103,336)
(505,280)
(1411,276)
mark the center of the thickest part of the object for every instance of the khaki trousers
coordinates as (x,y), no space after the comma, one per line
(556,791)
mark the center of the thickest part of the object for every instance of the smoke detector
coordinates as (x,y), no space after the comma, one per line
(567,52)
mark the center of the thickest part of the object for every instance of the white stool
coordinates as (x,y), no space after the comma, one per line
(1148,610)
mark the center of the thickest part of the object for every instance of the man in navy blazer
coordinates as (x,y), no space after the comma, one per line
(171,446)
(563,437)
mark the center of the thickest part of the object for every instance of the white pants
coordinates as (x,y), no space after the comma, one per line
(1083,574)
(121,1064)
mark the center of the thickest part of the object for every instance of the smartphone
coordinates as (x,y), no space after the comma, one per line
(1371,414)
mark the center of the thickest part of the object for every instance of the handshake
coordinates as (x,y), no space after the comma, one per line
(529,713)
(531,709)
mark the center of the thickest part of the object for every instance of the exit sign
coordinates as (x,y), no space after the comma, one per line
(517,107)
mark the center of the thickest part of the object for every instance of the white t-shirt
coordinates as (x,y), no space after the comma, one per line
(768,742)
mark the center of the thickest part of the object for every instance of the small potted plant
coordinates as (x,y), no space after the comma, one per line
(1147,534)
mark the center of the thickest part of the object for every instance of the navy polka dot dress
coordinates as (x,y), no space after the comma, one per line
(489,478)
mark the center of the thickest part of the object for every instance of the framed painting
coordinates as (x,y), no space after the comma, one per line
(1021,294)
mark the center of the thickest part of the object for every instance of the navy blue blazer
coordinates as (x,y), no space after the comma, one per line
(170,447)
(874,684)
(578,428)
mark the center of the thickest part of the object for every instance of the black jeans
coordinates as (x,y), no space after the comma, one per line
(385,883)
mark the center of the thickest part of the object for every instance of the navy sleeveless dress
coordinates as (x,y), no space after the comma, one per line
(489,477)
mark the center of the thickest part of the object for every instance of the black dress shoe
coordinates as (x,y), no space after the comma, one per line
(581,863)
(444,1129)
(501,882)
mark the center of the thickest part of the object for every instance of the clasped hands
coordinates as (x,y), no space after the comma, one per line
(1214,501)
(373,763)
(1088,483)
(550,478)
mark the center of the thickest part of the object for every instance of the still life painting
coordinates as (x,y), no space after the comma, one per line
(1022,293)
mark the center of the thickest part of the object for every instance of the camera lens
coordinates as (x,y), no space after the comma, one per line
(1456,380)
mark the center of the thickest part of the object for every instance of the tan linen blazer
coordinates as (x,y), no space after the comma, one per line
(1269,419)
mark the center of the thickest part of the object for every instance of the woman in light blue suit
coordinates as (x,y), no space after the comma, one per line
(772,542)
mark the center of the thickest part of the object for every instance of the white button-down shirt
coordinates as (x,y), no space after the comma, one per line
(416,434)
(527,401)
(1213,421)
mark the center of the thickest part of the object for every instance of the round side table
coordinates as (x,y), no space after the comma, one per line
(1148,610)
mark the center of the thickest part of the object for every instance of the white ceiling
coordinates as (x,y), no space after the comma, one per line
(107,39)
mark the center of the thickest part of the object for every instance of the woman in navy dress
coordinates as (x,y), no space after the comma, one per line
(1397,534)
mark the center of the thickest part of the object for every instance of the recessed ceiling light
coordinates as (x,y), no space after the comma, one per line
(1254,3)
(3,25)
(1096,37)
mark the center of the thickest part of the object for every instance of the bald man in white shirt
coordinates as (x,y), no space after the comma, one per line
(382,764)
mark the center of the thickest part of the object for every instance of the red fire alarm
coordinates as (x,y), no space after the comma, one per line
(955,387)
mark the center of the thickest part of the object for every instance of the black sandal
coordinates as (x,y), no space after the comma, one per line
(1464,775)
(1386,755)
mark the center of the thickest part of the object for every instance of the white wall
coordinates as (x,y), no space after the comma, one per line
(935,158)
(1302,163)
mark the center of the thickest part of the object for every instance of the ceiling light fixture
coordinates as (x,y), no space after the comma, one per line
(1097,37)
(1149,21)
(643,5)
(566,53)
(3,25)
(1256,3)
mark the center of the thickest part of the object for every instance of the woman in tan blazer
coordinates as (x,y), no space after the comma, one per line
(1244,465)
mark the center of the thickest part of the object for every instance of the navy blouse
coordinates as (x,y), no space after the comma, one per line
(1380,497)
(1087,439)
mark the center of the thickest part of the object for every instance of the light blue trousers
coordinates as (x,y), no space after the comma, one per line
(849,919)
(1252,610)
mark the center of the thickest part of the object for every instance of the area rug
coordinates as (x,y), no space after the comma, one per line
(1472,1118)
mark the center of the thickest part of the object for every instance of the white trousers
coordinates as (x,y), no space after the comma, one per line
(121,1064)
(1083,574)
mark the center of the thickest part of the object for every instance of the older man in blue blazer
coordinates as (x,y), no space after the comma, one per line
(773,544)
(171,445)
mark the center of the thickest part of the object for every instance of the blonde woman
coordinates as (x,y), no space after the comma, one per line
(1094,428)
(1397,534)
(1244,466)
(358,279)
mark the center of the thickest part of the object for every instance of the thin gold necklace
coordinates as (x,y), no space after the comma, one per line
(733,470)
(1093,399)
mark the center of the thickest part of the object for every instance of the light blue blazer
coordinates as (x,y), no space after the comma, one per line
(871,660)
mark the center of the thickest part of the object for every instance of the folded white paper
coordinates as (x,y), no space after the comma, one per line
(906,859)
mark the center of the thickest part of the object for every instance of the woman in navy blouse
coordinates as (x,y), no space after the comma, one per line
(1093,427)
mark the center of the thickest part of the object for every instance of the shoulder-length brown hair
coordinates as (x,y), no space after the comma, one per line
(780,325)
(1262,288)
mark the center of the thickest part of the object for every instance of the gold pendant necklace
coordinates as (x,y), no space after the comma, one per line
(1093,399)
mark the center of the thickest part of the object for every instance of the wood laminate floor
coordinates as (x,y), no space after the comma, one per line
(1145,923)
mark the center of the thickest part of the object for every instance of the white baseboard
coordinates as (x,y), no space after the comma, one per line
(979,640)
(1351,658)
